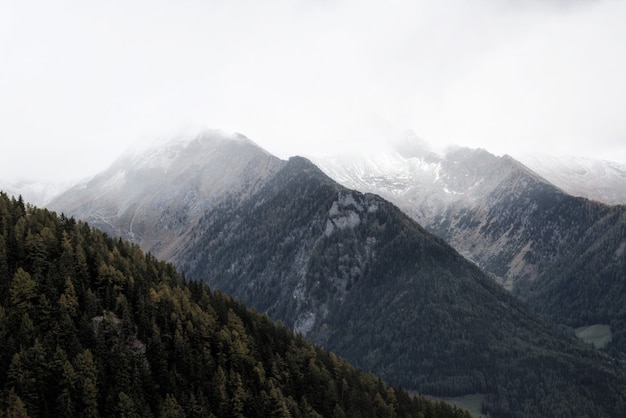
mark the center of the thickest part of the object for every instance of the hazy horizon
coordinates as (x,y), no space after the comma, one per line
(82,81)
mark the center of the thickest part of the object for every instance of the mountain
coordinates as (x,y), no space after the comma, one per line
(352,272)
(154,196)
(476,201)
(92,326)
(603,181)
(564,255)
(35,193)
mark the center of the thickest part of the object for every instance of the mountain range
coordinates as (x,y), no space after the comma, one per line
(561,254)
(355,274)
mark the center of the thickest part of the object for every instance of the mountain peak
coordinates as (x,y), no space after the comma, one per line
(409,145)
(161,152)
(181,139)
(153,194)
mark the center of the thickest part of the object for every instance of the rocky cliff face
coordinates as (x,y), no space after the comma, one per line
(494,210)
(481,204)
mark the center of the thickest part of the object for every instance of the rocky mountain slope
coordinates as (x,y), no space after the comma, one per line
(354,273)
(476,201)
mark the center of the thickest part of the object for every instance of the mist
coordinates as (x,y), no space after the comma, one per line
(81,81)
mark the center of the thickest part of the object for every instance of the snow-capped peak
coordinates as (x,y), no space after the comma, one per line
(179,140)
(161,151)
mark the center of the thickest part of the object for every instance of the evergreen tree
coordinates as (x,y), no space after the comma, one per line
(16,408)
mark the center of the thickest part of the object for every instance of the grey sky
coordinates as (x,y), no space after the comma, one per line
(81,80)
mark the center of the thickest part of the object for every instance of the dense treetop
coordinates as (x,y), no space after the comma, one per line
(586,284)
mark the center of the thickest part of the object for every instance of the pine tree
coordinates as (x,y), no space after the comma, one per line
(65,403)
(171,408)
(126,407)
(22,291)
(86,386)
(68,300)
(16,408)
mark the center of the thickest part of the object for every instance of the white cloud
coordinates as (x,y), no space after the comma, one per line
(80,80)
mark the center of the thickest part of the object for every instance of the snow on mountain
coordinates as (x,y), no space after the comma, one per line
(603,181)
(425,186)
(480,203)
(33,192)
(513,221)
(162,152)
(373,172)
(154,193)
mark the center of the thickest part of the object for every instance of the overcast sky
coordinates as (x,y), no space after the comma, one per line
(81,80)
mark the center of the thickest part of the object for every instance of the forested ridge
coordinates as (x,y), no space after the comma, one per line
(91,326)
(587,283)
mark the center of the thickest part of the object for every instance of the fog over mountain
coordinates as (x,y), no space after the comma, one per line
(36,193)
(601,180)
(308,76)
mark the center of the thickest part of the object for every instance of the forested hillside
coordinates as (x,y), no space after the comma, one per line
(586,285)
(91,326)
(354,273)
